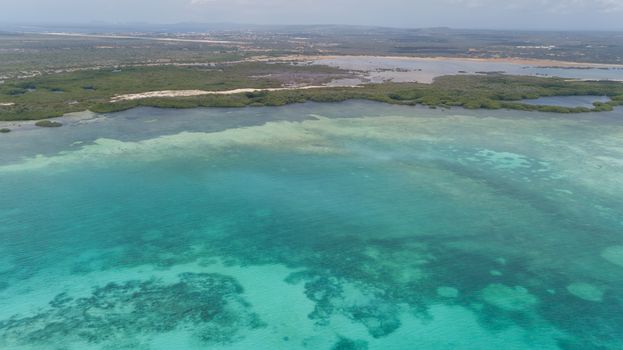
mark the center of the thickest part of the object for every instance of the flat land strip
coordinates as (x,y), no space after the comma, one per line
(44,76)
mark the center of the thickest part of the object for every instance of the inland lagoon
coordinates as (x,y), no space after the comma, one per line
(424,70)
(567,101)
(353,225)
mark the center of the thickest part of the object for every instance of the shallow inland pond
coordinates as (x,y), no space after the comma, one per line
(567,101)
(354,225)
(425,70)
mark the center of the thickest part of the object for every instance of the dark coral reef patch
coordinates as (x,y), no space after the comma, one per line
(209,304)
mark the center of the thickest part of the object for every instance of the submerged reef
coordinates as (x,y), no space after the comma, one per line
(586,291)
(348,344)
(508,298)
(210,305)
(614,255)
(385,238)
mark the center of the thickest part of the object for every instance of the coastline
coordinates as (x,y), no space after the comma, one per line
(512,60)
(72,117)
(191,93)
(87,116)
(473,90)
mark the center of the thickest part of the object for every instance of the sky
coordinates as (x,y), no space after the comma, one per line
(485,14)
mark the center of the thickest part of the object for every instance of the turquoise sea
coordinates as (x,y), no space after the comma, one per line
(355,225)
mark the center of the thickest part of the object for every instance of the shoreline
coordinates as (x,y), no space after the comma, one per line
(512,60)
(87,115)
(191,93)
(81,116)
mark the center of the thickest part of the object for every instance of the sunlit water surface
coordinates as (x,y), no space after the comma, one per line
(317,226)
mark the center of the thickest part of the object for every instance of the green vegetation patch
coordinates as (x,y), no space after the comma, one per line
(54,95)
(48,124)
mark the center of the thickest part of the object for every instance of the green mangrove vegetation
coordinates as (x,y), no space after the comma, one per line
(53,95)
(48,124)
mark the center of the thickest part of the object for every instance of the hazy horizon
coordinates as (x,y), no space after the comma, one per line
(574,15)
(121,26)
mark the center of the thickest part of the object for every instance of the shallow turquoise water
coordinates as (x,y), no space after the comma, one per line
(318,226)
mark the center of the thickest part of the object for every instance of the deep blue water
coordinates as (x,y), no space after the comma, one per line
(318,226)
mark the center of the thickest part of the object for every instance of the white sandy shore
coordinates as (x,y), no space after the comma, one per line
(188,93)
(6,104)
